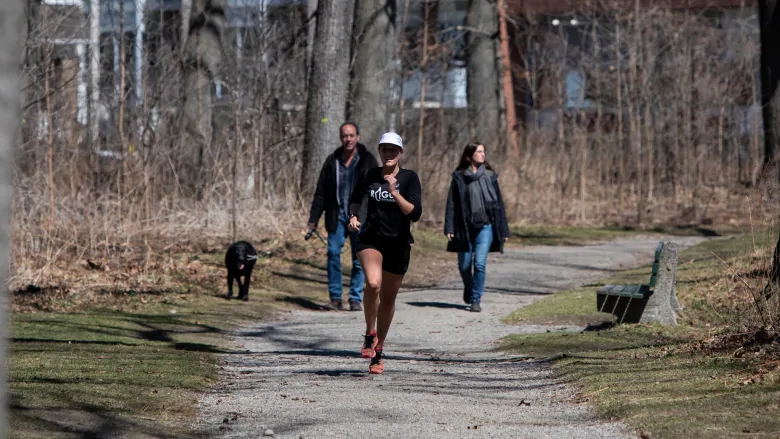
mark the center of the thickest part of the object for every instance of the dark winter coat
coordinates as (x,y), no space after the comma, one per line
(326,197)
(455,221)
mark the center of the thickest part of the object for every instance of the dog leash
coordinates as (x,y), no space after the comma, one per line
(314,231)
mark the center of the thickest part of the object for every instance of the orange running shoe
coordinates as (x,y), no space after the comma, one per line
(368,346)
(377,365)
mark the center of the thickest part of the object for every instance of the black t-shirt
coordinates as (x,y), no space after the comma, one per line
(384,218)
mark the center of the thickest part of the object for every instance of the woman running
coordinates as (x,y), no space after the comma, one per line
(475,220)
(385,238)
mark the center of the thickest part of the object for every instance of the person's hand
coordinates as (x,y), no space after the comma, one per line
(449,236)
(506,238)
(391,182)
(354,224)
(311,226)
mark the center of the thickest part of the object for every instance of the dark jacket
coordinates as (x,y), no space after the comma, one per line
(455,221)
(326,198)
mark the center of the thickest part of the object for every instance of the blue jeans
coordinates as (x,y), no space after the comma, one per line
(472,263)
(336,241)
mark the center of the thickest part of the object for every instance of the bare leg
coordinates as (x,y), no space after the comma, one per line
(391,283)
(371,260)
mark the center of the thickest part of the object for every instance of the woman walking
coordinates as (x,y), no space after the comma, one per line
(475,220)
(385,238)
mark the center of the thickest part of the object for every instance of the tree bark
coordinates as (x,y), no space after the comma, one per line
(430,11)
(373,48)
(185,11)
(328,82)
(311,14)
(482,71)
(94,69)
(770,77)
(201,62)
(507,83)
(11,26)
(29,57)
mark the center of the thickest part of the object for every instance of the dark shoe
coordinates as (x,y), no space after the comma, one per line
(475,307)
(369,344)
(467,296)
(243,297)
(377,365)
(334,305)
(354,305)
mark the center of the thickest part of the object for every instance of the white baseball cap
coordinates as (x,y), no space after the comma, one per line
(391,139)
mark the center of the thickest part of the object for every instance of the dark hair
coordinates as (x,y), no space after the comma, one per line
(465,158)
(357,130)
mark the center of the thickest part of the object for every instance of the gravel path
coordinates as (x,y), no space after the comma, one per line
(302,375)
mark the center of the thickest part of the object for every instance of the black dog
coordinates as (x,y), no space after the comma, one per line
(239,261)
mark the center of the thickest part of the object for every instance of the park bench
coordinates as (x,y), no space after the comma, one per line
(655,301)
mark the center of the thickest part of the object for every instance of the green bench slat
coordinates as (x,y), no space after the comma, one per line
(658,251)
(634,291)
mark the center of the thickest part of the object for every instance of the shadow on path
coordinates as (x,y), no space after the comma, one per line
(442,305)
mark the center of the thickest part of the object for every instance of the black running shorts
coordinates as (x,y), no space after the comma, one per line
(395,253)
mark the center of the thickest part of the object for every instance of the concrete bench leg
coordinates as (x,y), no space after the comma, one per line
(663,306)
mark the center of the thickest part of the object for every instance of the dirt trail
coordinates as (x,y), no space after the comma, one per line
(302,375)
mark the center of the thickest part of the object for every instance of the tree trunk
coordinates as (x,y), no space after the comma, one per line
(482,80)
(50,134)
(186,14)
(770,77)
(507,83)
(430,9)
(401,44)
(373,48)
(311,15)
(121,98)
(201,62)
(29,59)
(94,69)
(140,61)
(328,82)
(11,20)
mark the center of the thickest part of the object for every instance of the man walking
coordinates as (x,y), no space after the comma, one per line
(338,176)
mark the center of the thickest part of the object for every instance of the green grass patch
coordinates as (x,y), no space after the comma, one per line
(638,374)
(670,382)
(560,343)
(570,307)
(88,371)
